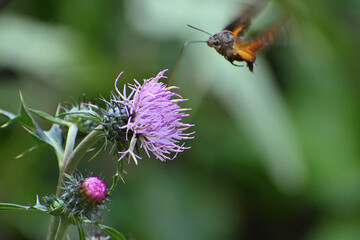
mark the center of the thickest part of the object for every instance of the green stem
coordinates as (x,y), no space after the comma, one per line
(54,223)
(62,227)
(69,148)
(70,140)
(72,157)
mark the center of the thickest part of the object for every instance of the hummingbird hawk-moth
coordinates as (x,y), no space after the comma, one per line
(229,44)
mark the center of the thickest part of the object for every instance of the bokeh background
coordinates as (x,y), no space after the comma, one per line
(276,153)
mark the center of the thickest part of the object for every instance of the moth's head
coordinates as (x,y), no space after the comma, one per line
(220,39)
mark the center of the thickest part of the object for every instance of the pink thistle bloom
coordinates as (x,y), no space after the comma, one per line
(154,118)
(93,190)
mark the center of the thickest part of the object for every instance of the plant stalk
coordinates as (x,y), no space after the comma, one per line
(72,157)
(62,227)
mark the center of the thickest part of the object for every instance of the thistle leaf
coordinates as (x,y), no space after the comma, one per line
(113,233)
(23,117)
(8,115)
(50,118)
(52,137)
(12,206)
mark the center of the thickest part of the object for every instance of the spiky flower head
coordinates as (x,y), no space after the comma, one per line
(114,118)
(153,117)
(84,197)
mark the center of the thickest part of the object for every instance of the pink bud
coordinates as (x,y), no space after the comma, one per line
(93,190)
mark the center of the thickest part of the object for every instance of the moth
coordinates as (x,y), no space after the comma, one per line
(229,42)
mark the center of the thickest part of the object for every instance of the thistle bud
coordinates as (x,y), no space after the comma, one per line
(93,190)
(84,197)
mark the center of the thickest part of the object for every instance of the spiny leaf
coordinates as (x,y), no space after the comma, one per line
(8,115)
(27,151)
(23,117)
(113,233)
(50,118)
(89,114)
(119,170)
(53,137)
(98,152)
(12,206)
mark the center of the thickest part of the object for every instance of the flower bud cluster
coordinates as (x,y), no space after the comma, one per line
(84,197)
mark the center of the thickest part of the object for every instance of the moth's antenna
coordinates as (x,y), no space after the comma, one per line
(199,29)
(177,62)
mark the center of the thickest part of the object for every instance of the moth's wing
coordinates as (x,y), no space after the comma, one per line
(241,24)
(248,49)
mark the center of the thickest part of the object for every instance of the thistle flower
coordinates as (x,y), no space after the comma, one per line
(84,197)
(154,118)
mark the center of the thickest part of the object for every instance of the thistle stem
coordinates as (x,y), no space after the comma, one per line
(53,227)
(70,140)
(72,157)
(62,227)
(75,156)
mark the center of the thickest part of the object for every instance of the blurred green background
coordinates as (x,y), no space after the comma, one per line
(276,153)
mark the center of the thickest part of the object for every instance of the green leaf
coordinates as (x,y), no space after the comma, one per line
(53,137)
(13,206)
(27,151)
(88,114)
(23,117)
(8,115)
(80,229)
(119,170)
(99,151)
(50,118)
(113,233)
